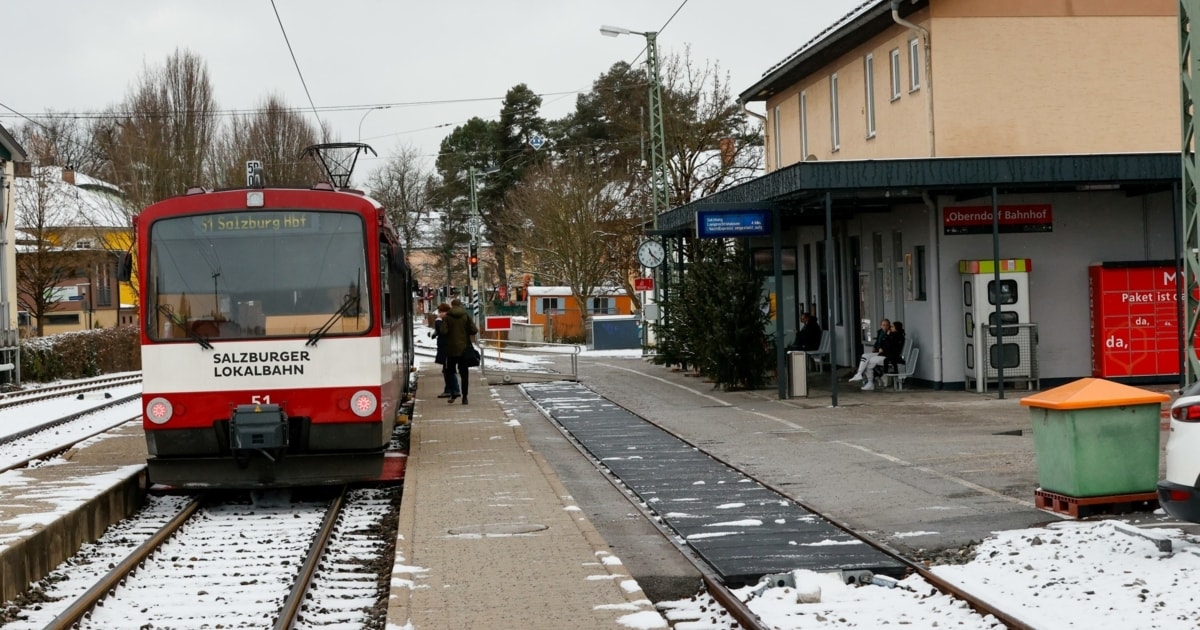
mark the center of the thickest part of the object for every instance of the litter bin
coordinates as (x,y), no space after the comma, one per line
(1095,438)
(798,374)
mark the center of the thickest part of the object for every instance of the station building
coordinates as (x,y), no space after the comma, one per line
(915,144)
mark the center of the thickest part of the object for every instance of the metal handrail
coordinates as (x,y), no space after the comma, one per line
(500,346)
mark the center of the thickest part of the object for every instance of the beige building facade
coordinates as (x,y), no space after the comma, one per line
(988,77)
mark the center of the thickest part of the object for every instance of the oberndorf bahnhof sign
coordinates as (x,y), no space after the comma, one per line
(732,223)
(1029,217)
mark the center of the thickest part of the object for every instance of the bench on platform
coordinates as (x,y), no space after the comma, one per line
(909,354)
(820,356)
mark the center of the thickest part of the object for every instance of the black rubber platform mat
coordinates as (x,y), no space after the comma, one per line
(742,529)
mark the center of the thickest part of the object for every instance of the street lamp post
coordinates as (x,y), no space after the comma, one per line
(659,193)
(364,117)
(660,200)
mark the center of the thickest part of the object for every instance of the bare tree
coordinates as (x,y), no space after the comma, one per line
(401,186)
(574,227)
(157,141)
(710,144)
(42,206)
(61,139)
(275,134)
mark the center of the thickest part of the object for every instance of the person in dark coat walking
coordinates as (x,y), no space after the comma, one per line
(460,332)
(439,333)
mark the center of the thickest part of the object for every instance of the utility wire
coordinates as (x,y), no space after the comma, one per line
(660,30)
(297,64)
(25,117)
(240,111)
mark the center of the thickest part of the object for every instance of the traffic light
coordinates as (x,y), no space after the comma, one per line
(473,262)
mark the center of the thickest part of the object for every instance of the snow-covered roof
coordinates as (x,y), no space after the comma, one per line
(9,148)
(87,202)
(561,291)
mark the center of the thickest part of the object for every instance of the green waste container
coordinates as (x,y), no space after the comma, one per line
(1095,438)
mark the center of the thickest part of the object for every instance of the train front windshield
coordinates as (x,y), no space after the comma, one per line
(257,274)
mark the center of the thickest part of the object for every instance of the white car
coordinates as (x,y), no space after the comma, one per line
(1179,493)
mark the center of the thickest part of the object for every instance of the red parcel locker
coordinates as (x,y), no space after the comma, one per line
(1135,319)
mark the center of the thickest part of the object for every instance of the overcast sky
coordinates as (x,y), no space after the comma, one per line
(82,55)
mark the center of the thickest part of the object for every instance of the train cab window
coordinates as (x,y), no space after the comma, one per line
(257,274)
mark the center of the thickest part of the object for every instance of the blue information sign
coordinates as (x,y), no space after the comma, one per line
(731,223)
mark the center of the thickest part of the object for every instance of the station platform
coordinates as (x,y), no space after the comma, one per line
(48,512)
(488,535)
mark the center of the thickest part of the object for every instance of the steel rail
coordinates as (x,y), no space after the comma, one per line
(736,608)
(291,606)
(977,604)
(65,419)
(13,399)
(61,448)
(88,600)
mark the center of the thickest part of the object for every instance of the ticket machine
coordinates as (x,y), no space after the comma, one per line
(994,340)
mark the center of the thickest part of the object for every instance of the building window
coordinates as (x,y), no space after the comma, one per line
(869,81)
(62,319)
(803,126)
(833,105)
(85,243)
(547,305)
(895,74)
(602,306)
(914,64)
(776,126)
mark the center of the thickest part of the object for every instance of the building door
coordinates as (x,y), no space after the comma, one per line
(896,263)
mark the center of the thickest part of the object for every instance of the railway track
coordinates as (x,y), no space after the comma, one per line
(66,390)
(717,586)
(196,561)
(37,431)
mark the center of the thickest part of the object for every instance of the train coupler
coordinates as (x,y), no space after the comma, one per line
(262,428)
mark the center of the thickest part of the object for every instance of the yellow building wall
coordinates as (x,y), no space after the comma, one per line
(1056,85)
(1010,77)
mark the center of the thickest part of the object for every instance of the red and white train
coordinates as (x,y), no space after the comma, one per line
(276,329)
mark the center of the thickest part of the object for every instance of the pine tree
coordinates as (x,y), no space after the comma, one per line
(717,318)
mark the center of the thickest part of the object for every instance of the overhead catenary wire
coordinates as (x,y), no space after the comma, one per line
(297,64)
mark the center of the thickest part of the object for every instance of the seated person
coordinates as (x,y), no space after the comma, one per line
(889,352)
(885,327)
(808,338)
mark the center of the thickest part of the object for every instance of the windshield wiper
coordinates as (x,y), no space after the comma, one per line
(170,315)
(351,303)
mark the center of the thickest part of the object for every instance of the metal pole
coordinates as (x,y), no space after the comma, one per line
(999,354)
(829,306)
(476,302)
(781,363)
(659,194)
(1189,281)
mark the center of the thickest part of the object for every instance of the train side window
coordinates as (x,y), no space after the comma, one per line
(385,287)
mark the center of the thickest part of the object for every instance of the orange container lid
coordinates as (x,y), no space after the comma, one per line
(1087,393)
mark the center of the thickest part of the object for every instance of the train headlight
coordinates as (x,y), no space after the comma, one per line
(363,403)
(159,410)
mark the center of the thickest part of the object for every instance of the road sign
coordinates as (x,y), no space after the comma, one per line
(497,322)
(643,284)
(536,141)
